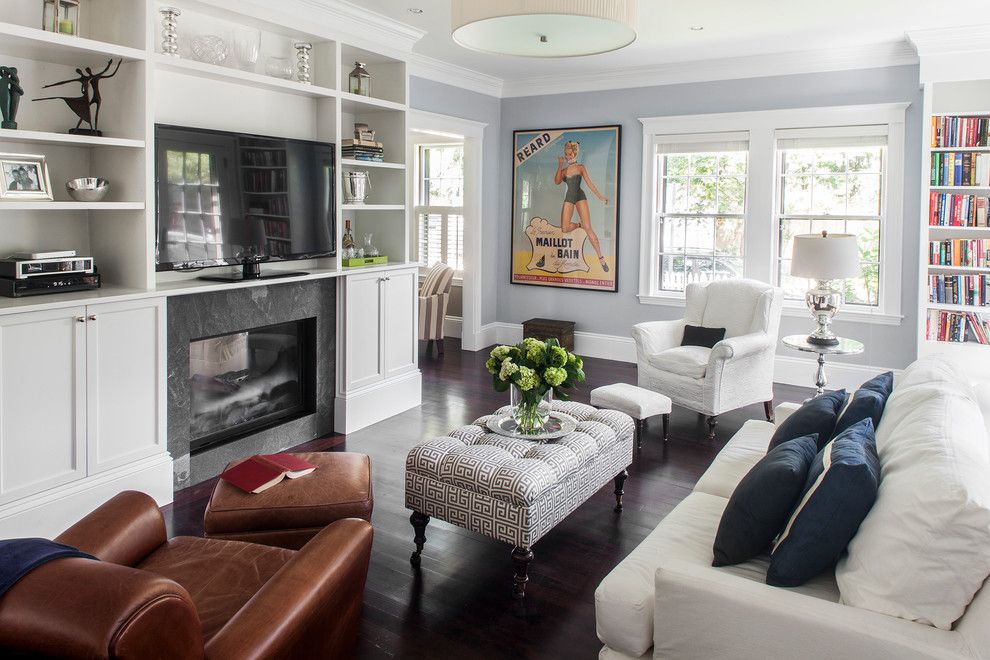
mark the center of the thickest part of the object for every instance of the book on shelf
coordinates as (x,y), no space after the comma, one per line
(953,168)
(971,253)
(958,131)
(970,290)
(957,210)
(370,158)
(353,142)
(957,327)
(260,472)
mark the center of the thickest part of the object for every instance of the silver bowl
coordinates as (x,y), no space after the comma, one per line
(88,189)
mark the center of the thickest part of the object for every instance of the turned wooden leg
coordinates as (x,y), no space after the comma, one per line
(666,427)
(429,347)
(419,522)
(640,432)
(768,409)
(712,422)
(620,480)
(521,556)
(439,347)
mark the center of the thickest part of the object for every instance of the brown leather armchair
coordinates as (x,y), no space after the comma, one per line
(187,597)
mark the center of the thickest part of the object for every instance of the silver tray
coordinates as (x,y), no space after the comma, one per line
(557,426)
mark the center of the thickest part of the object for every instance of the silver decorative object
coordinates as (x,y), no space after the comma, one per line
(88,189)
(360,80)
(357,185)
(557,426)
(170,35)
(209,49)
(303,69)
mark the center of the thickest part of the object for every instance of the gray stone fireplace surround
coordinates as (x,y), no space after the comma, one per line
(195,316)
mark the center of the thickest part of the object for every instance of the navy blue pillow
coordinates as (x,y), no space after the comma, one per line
(817,416)
(762,502)
(841,489)
(868,401)
(699,335)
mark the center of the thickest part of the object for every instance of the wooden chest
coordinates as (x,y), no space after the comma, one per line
(562,331)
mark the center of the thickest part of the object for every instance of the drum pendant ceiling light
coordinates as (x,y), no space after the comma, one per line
(544,28)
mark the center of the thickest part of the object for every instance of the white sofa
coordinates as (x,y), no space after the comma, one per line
(665,600)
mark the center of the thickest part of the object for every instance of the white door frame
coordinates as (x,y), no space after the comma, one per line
(473,134)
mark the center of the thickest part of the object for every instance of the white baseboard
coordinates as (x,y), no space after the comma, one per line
(50,513)
(355,410)
(452,326)
(788,370)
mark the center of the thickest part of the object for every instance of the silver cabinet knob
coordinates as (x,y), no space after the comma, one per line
(80,319)
(92,317)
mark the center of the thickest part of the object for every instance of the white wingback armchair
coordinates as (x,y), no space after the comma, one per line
(737,371)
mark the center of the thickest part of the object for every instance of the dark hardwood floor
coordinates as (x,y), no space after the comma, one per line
(459,605)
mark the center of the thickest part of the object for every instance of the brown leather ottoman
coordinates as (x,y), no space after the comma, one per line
(295,510)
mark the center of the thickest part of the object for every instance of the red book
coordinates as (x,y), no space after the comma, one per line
(259,473)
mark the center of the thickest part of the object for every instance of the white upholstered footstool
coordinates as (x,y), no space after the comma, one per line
(513,490)
(637,402)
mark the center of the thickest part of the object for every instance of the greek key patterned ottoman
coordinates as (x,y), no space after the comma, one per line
(516,490)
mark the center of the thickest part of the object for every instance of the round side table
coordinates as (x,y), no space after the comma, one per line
(844,347)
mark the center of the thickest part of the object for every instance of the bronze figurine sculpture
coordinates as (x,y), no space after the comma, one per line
(10,96)
(90,95)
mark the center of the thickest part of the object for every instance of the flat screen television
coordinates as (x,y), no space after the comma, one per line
(227,199)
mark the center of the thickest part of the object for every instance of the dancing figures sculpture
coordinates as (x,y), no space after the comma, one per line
(89,95)
(10,96)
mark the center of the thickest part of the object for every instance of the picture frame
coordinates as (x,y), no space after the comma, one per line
(565,207)
(24,177)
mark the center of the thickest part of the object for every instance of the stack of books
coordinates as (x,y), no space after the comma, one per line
(960,169)
(951,209)
(367,150)
(972,253)
(957,327)
(960,131)
(958,290)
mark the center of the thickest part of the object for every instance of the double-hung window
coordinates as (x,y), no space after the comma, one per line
(833,180)
(700,208)
(439,207)
(725,194)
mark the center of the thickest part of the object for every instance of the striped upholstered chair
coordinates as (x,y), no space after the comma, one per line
(434,294)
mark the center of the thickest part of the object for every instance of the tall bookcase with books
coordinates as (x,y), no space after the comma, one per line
(954,314)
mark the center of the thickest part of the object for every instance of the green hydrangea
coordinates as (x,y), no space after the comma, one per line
(536,354)
(492,366)
(554,376)
(508,368)
(501,352)
(557,357)
(527,379)
(575,361)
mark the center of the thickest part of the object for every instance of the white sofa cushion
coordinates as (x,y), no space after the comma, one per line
(625,600)
(922,552)
(690,361)
(736,459)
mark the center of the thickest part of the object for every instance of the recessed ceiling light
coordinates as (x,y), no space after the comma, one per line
(415,10)
(697,28)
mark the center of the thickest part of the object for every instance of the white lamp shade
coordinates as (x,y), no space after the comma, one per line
(830,257)
(544,28)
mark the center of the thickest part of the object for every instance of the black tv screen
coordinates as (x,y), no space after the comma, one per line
(229,198)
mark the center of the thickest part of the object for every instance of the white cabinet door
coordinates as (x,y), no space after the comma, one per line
(401,300)
(125,382)
(42,401)
(363,340)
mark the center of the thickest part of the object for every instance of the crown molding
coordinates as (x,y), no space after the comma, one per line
(447,73)
(944,41)
(753,66)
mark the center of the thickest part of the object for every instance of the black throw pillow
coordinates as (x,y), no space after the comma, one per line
(815,417)
(841,489)
(868,401)
(882,384)
(762,502)
(699,335)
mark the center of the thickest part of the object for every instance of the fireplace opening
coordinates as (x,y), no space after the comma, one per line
(243,382)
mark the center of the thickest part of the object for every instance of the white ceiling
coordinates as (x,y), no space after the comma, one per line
(732,28)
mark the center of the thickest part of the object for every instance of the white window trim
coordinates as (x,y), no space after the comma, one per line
(418,208)
(761,236)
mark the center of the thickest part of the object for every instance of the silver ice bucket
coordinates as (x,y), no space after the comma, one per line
(357,185)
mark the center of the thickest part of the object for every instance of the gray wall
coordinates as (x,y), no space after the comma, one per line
(614,313)
(447,100)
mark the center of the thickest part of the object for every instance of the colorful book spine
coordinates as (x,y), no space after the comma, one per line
(957,327)
(952,131)
(957,210)
(970,290)
(952,168)
(971,253)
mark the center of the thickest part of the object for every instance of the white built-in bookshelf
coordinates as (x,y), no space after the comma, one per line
(154,88)
(954,309)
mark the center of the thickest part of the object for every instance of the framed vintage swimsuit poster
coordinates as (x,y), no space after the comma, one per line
(565,207)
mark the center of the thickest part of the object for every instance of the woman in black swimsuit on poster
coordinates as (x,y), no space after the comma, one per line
(572,173)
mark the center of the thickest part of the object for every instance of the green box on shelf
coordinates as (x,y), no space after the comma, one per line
(365,261)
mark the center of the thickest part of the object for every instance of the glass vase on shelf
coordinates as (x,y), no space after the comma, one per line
(247,47)
(530,410)
(349,250)
(369,249)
